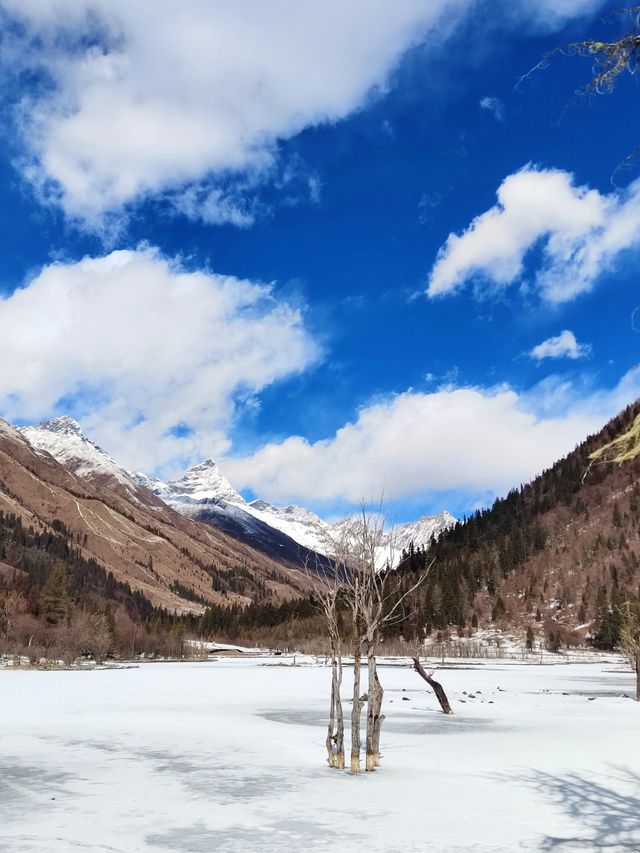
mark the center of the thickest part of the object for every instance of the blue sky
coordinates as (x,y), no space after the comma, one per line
(219,229)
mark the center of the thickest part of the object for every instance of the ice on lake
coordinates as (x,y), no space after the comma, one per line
(228,756)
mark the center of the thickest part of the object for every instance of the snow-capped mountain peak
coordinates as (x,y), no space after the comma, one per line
(203,488)
(396,538)
(420,532)
(201,483)
(204,484)
(63,438)
(205,481)
(63,425)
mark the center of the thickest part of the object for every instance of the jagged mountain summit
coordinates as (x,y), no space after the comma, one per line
(63,438)
(200,483)
(422,531)
(202,494)
(301,524)
(293,534)
(205,486)
(398,538)
(203,490)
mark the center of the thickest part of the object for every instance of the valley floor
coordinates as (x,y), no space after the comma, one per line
(228,756)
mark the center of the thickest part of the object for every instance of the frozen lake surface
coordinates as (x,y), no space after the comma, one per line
(228,756)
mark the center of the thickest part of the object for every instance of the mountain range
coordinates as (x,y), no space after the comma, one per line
(561,552)
(293,533)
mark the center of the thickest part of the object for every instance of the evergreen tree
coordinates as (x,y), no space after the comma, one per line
(607,633)
(55,597)
(530,638)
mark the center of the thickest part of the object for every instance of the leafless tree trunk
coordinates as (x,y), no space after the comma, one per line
(373,709)
(335,728)
(335,731)
(378,719)
(327,589)
(358,701)
(332,721)
(435,685)
(377,595)
(336,672)
(630,637)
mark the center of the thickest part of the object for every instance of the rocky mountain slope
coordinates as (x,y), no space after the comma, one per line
(106,517)
(227,549)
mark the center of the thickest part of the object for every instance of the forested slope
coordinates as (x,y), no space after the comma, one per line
(563,550)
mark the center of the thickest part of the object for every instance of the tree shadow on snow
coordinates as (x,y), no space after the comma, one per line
(608,812)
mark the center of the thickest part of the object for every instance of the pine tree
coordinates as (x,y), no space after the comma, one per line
(530,638)
(607,627)
(55,597)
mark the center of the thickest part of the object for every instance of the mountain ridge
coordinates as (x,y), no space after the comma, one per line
(204,493)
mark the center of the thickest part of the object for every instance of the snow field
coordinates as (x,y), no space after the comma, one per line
(228,756)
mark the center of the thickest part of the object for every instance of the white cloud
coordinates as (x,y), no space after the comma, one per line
(154,95)
(476,440)
(494,106)
(135,345)
(169,93)
(563,345)
(582,233)
(545,15)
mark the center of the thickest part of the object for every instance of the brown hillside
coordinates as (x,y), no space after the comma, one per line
(176,563)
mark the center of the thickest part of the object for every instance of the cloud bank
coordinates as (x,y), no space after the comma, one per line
(153,359)
(581,233)
(158,362)
(415,444)
(140,98)
(156,94)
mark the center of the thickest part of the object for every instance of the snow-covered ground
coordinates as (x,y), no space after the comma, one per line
(228,756)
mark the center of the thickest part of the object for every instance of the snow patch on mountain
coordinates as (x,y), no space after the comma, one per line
(63,438)
(395,539)
(420,532)
(203,482)
(302,525)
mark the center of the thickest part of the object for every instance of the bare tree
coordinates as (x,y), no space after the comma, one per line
(365,582)
(357,700)
(437,688)
(630,637)
(327,589)
(376,593)
(610,59)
